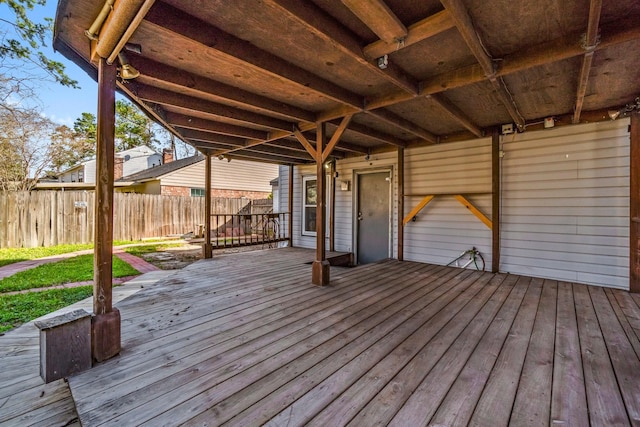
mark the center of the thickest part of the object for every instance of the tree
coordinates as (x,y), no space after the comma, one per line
(69,147)
(132,127)
(25,150)
(23,40)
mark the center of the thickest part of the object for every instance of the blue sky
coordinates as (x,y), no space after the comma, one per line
(62,104)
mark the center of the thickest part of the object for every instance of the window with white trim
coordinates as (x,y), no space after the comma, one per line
(310,204)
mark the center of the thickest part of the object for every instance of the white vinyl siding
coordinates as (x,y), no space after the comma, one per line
(445,228)
(344,199)
(234,175)
(565,204)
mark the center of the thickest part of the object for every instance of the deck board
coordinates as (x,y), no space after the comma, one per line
(245,339)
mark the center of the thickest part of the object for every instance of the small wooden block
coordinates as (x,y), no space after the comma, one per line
(320,273)
(65,345)
(105,335)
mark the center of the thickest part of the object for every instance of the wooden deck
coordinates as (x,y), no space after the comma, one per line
(246,340)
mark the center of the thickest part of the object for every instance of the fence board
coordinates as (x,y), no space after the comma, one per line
(44,218)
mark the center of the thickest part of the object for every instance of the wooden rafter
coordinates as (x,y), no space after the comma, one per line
(373,134)
(545,53)
(163,19)
(207,108)
(404,124)
(590,42)
(195,123)
(198,135)
(173,79)
(456,114)
(470,35)
(421,30)
(334,33)
(379,18)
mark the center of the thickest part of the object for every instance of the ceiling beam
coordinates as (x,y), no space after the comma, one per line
(196,123)
(404,124)
(229,49)
(371,133)
(560,49)
(472,39)
(590,42)
(295,146)
(262,150)
(165,77)
(198,135)
(259,157)
(208,108)
(456,114)
(327,28)
(421,30)
(376,15)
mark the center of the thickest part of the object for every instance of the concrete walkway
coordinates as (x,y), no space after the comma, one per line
(142,267)
(136,262)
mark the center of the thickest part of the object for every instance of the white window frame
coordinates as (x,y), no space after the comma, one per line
(303,218)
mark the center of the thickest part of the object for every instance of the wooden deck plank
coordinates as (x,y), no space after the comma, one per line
(603,395)
(568,397)
(308,372)
(532,404)
(267,310)
(215,367)
(496,401)
(625,366)
(443,359)
(392,339)
(457,407)
(350,324)
(630,310)
(426,322)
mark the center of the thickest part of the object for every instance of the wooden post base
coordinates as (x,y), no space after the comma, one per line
(65,345)
(105,335)
(320,273)
(207,250)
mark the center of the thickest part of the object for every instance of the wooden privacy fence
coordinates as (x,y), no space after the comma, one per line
(47,218)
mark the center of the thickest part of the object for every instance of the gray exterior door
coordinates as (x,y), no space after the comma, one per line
(372,216)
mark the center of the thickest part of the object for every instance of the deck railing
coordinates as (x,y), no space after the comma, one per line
(233,230)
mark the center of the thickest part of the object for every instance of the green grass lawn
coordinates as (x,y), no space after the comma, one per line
(76,269)
(13,255)
(18,309)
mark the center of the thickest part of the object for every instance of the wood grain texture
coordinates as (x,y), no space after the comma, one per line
(390,341)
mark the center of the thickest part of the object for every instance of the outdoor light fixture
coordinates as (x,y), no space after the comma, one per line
(127,72)
(635,105)
(93,31)
(383,62)
(220,157)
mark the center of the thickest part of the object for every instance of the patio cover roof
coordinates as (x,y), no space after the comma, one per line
(239,78)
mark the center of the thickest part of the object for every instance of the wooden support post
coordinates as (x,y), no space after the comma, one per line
(320,267)
(290,223)
(400,222)
(105,326)
(495,201)
(207,249)
(332,209)
(634,211)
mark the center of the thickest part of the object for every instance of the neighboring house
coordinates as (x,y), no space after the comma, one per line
(186,177)
(127,162)
(564,203)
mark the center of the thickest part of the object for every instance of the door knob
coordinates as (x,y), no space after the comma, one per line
(360,217)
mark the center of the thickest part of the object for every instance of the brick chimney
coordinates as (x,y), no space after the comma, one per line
(118,167)
(167,155)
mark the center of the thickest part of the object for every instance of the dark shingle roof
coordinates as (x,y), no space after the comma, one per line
(164,169)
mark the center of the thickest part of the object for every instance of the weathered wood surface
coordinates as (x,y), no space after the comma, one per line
(25,400)
(392,342)
(45,218)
